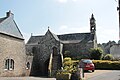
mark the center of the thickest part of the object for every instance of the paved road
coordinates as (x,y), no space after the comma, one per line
(25,78)
(103,75)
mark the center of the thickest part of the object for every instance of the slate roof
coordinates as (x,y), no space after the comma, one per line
(34,39)
(9,27)
(76,37)
(65,38)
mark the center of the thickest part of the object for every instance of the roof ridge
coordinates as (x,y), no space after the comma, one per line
(74,33)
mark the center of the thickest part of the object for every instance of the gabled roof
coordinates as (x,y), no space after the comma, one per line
(9,27)
(37,39)
(65,38)
(54,36)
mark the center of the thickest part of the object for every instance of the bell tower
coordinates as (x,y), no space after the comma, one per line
(92,24)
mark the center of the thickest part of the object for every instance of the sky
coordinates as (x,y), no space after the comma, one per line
(64,17)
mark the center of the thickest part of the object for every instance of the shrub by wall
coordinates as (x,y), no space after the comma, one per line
(108,65)
(69,70)
(63,76)
(108,57)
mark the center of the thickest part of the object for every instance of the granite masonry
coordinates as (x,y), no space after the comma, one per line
(48,49)
(12,48)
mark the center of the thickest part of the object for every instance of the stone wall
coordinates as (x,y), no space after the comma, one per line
(29,61)
(115,50)
(41,53)
(81,48)
(12,48)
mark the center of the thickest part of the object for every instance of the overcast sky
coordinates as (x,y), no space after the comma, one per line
(64,16)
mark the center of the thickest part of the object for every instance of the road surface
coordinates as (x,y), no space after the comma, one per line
(103,75)
(25,78)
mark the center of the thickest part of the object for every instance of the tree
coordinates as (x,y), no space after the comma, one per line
(96,53)
(108,57)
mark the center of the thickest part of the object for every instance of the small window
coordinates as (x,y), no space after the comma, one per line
(9,64)
(28,65)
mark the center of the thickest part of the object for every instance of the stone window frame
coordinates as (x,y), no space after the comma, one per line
(9,64)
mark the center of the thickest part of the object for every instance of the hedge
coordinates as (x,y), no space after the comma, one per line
(69,70)
(108,65)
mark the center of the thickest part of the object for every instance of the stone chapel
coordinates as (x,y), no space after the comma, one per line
(48,49)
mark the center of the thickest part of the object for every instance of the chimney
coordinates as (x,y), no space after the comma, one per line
(8,14)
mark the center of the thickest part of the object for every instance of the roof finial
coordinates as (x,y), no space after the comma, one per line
(48,27)
(92,15)
(8,13)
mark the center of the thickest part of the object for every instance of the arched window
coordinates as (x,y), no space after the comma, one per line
(9,64)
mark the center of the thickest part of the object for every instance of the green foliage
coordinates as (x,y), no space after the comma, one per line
(67,54)
(67,59)
(108,57)
(68,65)
(63,76)
(105,64)
(96,53)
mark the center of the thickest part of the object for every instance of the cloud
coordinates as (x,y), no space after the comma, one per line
(74,0)
(65,1)
(63,27)
(62,1)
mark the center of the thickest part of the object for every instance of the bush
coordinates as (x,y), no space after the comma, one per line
(108,65)
(63,76)
(67,62)
(67,59)
(108,57)
(69,67)
(96,53)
